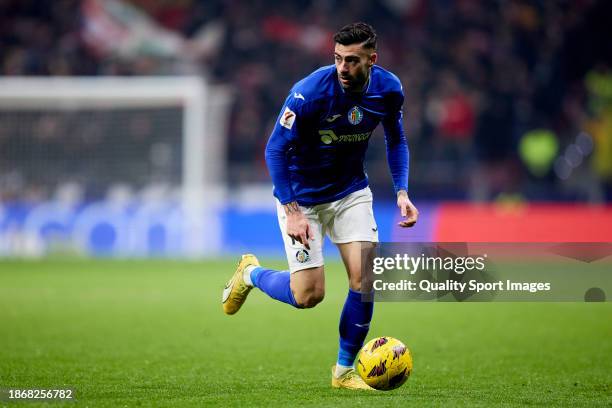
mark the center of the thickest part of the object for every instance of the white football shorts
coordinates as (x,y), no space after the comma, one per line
(349,219)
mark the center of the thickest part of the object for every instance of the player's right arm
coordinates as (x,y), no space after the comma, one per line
(283,137)
(298,228)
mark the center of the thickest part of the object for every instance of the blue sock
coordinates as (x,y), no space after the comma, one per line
(354,325)
(274,283)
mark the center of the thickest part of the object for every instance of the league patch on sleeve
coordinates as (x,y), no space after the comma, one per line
(287,118)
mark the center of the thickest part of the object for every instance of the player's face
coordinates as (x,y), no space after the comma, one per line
(353,63)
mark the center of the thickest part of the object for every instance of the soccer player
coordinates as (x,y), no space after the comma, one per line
(315,156)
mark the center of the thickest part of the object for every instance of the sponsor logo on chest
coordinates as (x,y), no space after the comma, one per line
(328,136)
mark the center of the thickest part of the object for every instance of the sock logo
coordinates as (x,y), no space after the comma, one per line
(302,256)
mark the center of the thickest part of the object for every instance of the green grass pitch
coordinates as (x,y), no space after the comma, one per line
(152,333)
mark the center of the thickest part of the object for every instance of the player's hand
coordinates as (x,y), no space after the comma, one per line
(407,209)
(298,228)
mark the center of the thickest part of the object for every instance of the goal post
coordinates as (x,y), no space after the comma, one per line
(184,121)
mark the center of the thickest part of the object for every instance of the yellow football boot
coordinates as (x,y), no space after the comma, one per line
(349,380)
(236,290)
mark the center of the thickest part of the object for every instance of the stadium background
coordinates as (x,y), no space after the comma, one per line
(507,104)
(508,115)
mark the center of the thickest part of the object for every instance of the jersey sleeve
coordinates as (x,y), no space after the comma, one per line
(283,136)
(397,146)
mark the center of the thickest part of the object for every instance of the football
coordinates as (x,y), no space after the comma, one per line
(384,363)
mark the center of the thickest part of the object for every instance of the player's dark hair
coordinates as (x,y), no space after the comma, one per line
(357,33)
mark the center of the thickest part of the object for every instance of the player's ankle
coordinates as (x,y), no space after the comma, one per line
(340,370)
(246,275)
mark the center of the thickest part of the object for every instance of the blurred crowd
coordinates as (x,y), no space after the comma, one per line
(505,99)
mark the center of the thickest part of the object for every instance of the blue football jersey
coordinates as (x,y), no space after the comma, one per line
(317,149)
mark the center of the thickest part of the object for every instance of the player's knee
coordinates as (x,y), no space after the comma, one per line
(355,281)
(308,287)
(310,298)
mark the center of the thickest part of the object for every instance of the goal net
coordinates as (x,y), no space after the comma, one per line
(144,140)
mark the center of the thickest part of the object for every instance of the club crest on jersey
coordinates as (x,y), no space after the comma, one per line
(302,256)
(355,115)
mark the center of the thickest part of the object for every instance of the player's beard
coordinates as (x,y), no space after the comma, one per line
(355,83)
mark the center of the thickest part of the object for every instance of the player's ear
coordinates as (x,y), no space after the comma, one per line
(373,59)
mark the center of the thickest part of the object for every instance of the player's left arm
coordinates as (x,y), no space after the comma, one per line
(398,157)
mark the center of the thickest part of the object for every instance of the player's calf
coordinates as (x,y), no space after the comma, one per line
(307,299)
(308,286)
